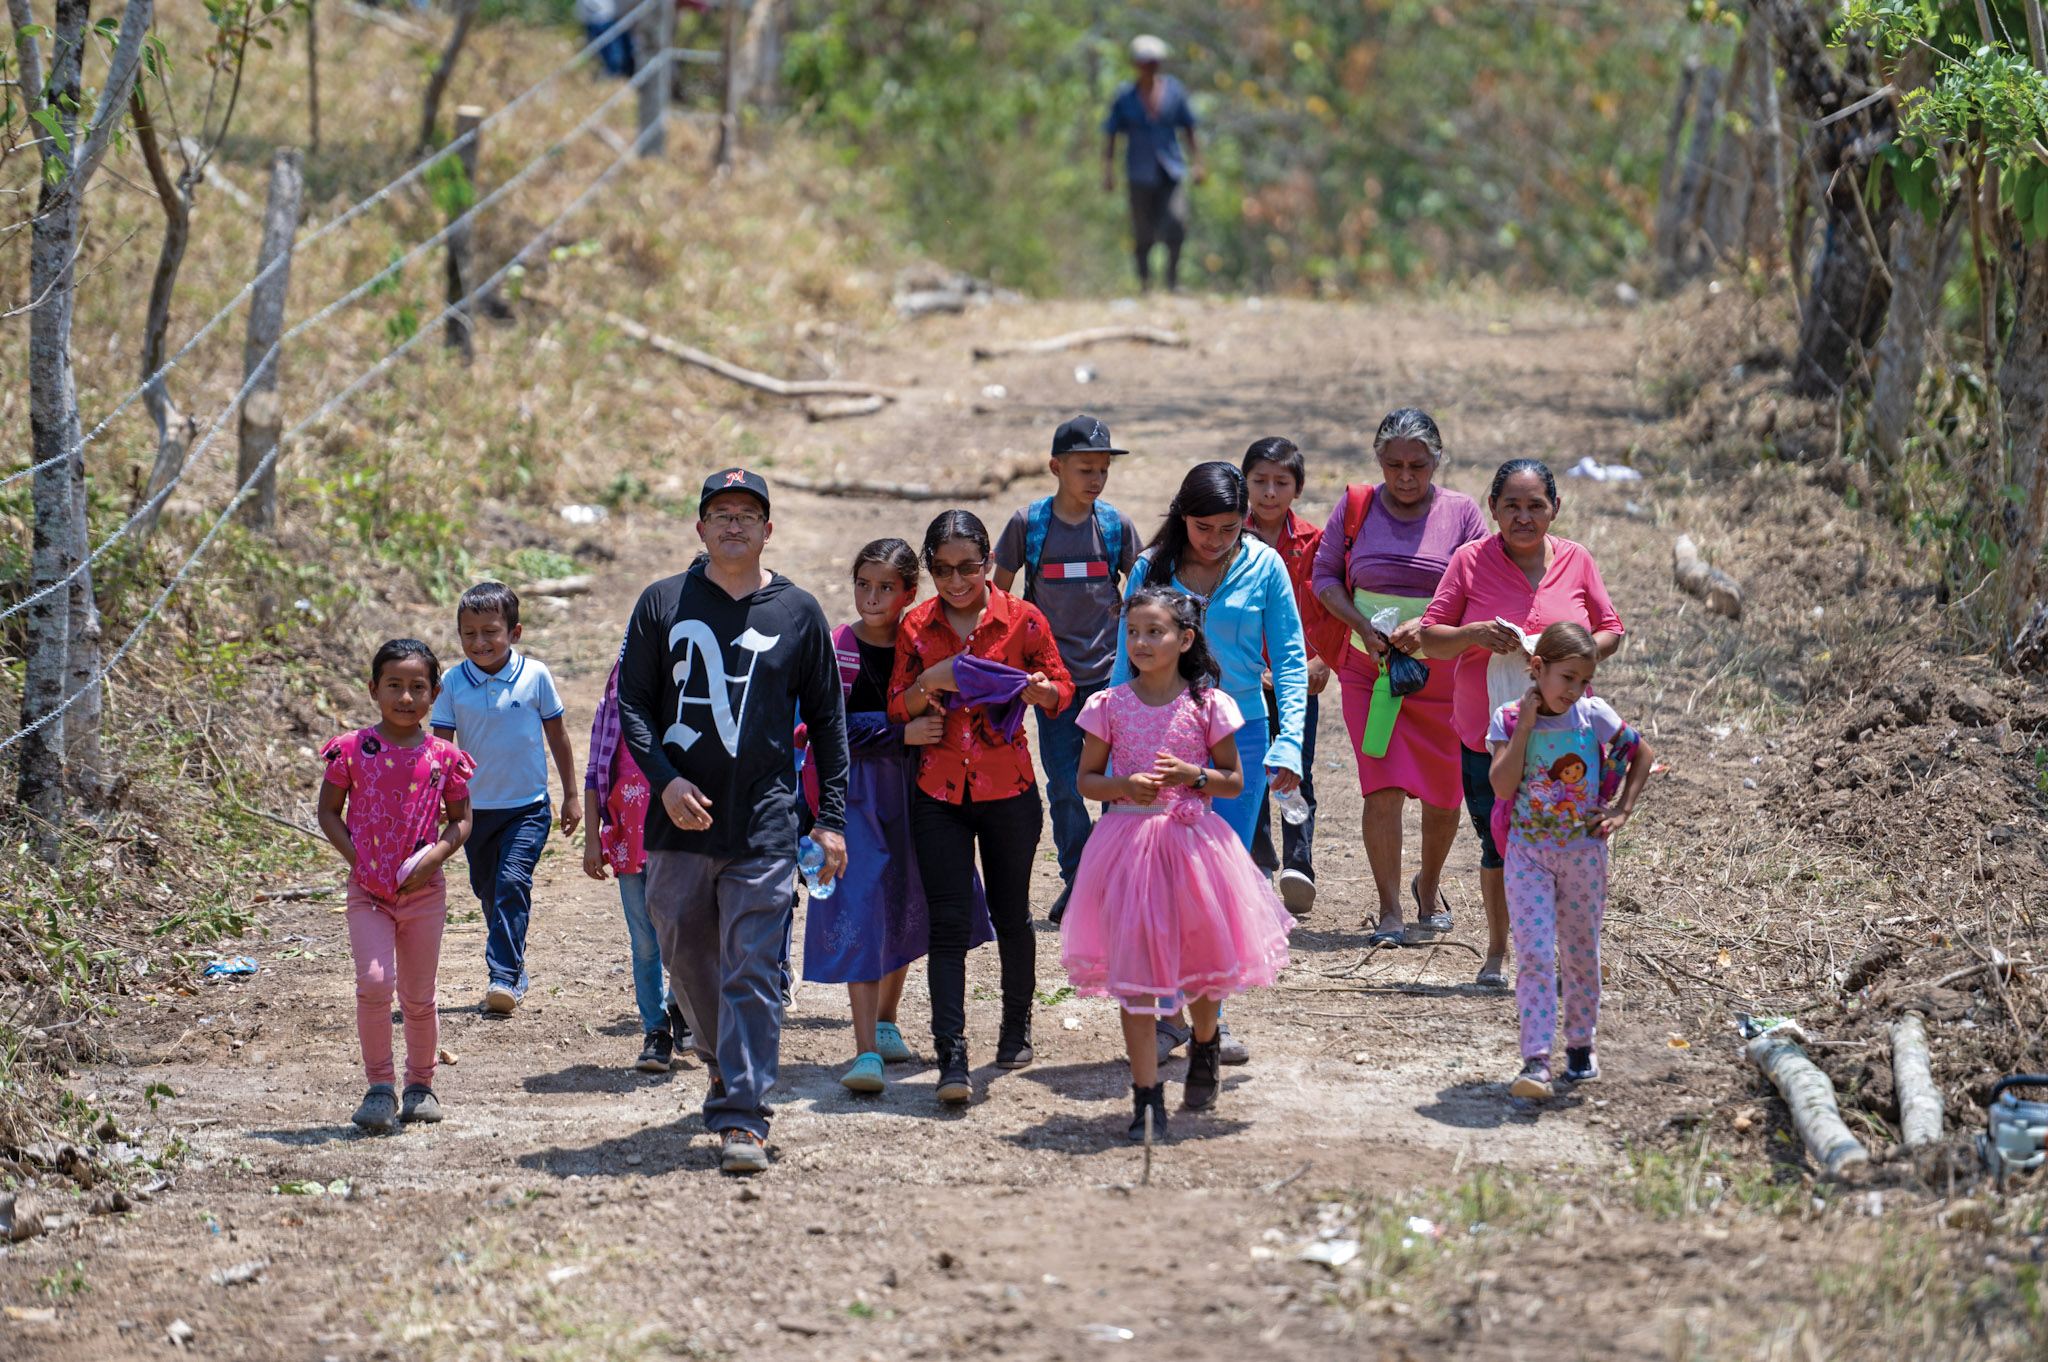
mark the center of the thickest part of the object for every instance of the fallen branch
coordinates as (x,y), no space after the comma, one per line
(1811,1096)
(2006,968)
(578,585)
(780,387)
(1695,577)
(296,893)
(403,28)
(1079,340)
(1913,1079)
(1007,469)
(834,409)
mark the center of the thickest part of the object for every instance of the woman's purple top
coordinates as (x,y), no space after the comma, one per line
(1396,557)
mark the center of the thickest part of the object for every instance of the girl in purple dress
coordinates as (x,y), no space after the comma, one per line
(1168,909)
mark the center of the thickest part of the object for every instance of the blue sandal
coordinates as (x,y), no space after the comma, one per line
(889,1044)
(865,1075)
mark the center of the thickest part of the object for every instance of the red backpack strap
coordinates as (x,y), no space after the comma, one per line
(1357,505)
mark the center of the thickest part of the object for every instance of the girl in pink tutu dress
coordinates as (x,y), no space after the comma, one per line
(1168,909)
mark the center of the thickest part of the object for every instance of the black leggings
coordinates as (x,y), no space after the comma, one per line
(1008,831)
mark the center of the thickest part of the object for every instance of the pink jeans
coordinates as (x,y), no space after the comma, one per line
(397,948)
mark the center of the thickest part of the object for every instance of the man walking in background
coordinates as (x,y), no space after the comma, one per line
(1151,112)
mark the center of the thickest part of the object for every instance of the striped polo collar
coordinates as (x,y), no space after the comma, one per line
(507,674)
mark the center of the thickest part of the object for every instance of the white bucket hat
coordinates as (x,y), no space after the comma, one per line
(1146,48)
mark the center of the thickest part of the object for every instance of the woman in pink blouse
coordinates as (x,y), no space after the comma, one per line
(1528,577)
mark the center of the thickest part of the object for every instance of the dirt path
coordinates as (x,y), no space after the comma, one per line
(569,1208)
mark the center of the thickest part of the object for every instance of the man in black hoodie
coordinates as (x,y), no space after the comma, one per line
(721,664)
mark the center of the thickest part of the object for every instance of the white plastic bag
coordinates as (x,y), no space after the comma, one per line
(1507,674)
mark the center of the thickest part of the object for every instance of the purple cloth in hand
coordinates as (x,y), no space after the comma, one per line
(998,687)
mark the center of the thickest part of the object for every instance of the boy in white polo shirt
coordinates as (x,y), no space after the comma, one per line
(502,709)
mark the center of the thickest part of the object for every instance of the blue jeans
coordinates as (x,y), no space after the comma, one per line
(722,923)
(1242,813)
(1059,749)
(503,848)
(617,54)
(1477,769)
(1297,840)
(647,980)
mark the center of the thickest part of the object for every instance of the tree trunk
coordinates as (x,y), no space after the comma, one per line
(1670,210)
(1767,206)
(437,84)
(62,627)
(760,57)
(1680,249)
(1847,295)
(2023,383)
(173,430)
(1921,255)
(729,120)
(1726,201)
(85,768)
(313,75)
(261,414)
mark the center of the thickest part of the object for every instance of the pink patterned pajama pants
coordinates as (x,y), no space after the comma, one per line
(1556,896)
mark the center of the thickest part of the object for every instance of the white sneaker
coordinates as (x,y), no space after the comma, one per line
(1298,892)
(501,1000)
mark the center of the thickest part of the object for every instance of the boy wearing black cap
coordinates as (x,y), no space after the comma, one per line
(719,662)
(1074,550)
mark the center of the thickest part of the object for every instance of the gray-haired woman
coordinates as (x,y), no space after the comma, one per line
(1393,555)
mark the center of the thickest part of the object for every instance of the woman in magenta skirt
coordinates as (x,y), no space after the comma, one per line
(1410,529)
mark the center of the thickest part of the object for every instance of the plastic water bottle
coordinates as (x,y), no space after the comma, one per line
(810,859)
(1293,807)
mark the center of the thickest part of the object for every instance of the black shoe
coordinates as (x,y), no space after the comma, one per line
(679,1028)
(954,1085)
(1013,1043)
(420,1104)
(657,1054)
(1205,1058)
(1059,905)
(1152,1099)
(1579,1064)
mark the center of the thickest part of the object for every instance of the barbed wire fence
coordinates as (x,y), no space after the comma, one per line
(651,84)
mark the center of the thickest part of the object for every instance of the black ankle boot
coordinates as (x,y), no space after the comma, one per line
(1205,1059)
(1013,1044)
(1152,1099)
(953,1081)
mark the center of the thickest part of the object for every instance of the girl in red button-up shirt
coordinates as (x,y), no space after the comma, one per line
(975,785)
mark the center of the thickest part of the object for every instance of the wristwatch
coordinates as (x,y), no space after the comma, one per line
(1201,779)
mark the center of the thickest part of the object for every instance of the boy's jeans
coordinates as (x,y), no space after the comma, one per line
(1059,748)
(503,848)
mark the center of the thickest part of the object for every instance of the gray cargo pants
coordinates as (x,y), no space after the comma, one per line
(721,923)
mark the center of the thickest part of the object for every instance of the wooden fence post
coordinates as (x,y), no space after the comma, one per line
(262,414)
(655,90)
(729,120)
(461,324)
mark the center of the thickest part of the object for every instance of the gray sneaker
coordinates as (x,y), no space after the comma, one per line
(501,1000)
(742,1152)
(420,1105)
(1234,1051)
(1171,1037)
(379,1110)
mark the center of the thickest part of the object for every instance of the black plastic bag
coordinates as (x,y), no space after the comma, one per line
(1405,674)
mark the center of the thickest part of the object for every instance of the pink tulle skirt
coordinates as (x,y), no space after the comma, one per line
(1165,910)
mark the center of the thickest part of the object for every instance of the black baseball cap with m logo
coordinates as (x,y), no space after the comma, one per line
(1083,435)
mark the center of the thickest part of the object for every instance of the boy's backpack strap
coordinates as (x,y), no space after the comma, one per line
(1037,520)
(1110,525)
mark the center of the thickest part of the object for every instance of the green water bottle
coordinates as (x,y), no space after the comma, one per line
(1379,719)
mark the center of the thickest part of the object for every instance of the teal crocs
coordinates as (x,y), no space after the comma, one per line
(889,1044)
(865,1075)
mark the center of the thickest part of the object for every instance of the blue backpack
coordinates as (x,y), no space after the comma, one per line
(1038,519)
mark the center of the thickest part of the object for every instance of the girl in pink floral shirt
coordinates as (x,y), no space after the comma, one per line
(395,803)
